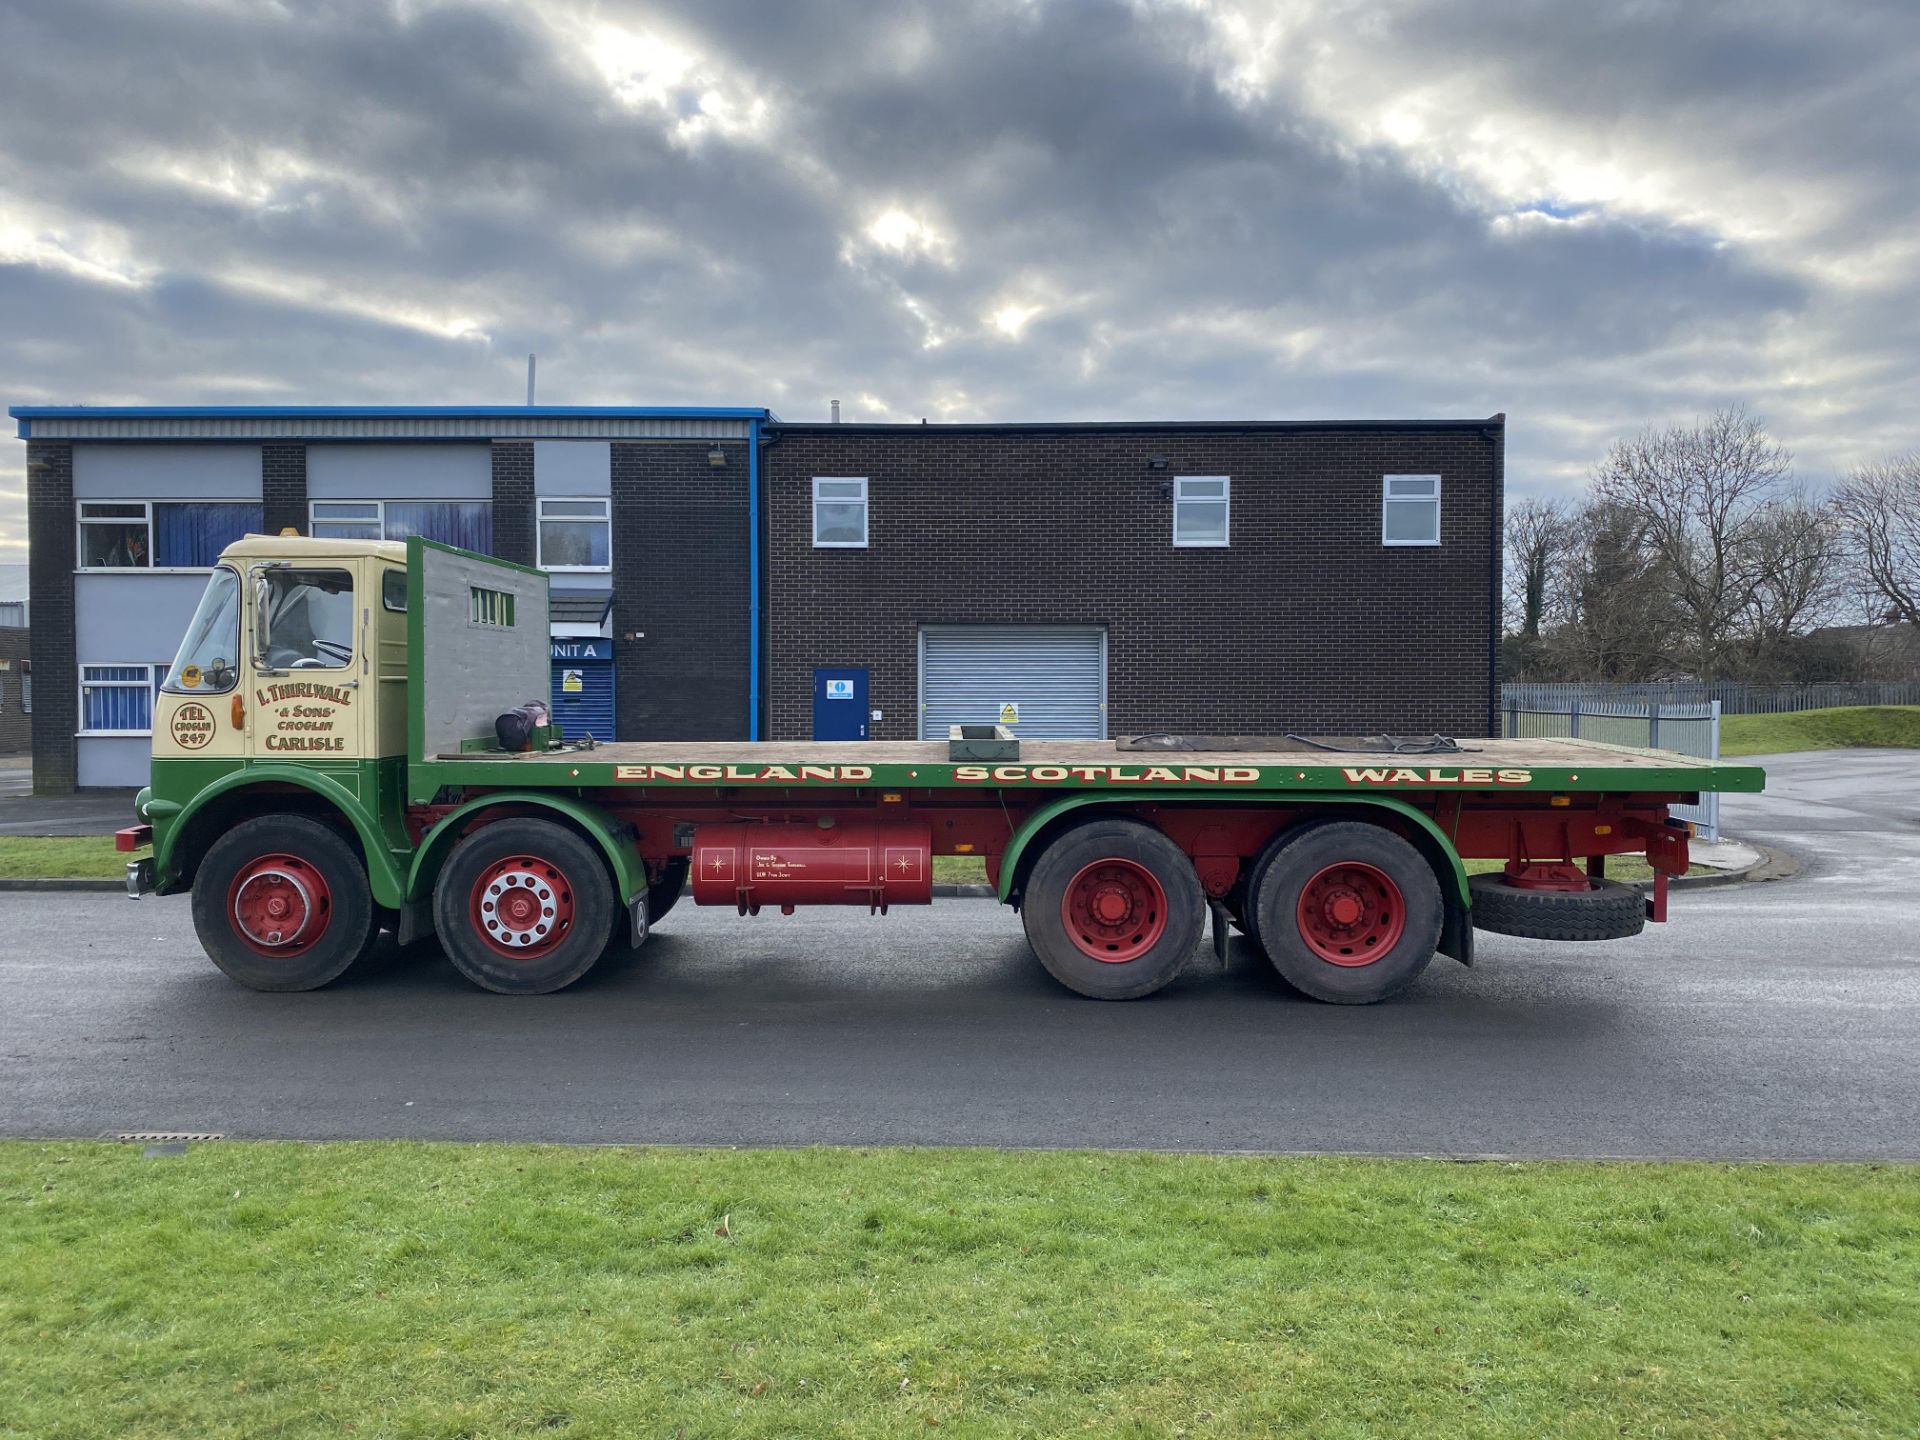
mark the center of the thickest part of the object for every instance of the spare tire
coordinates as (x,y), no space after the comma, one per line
(1609,910)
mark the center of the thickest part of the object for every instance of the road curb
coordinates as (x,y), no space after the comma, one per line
(965,892)
(104,887)
(1773,864)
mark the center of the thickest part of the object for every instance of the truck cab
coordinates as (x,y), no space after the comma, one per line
(297,652)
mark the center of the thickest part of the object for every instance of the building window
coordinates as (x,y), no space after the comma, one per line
(839,513)
(575,534)
(1410,510)
(161,534)
(118,699)
(26,687)
(1200,504)
(346,520)
(466,523)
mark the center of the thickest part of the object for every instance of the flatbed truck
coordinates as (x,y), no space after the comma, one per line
(327,764)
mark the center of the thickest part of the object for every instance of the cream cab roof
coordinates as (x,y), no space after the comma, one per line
(300,547)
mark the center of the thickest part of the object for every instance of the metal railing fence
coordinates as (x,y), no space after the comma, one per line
(1734,697)
(1685,728)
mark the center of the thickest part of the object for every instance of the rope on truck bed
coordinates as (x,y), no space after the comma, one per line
(1339,745)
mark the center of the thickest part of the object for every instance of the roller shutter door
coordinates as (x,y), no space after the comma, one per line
(1055,674)
(582,696)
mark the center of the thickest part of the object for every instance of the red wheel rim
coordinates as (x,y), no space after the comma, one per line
(1114,911)
(522,907)
(279,906)
(1351,914)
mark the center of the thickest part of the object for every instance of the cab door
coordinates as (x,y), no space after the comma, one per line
(311,644)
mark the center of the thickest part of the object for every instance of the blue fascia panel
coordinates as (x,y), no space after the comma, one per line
(25,415)
(383,412)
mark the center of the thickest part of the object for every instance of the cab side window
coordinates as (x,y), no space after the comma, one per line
(305,618)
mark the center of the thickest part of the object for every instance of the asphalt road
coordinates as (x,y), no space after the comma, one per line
(1771,1020)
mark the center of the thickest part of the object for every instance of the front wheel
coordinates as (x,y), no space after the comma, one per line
(281,902)
(523,907)
(1113,909)
(1349,913)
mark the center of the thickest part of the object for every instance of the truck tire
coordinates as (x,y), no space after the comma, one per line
(523,906)
(1249,889)
(281,902)
(1349,912)
(664,893)
(1609,911)
(1113,909)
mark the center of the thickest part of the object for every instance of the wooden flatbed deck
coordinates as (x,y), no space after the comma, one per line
(1283,761)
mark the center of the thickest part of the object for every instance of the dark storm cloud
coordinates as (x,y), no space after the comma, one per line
(1084,209)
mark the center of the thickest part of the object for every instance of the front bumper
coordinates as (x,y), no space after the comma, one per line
(140,877)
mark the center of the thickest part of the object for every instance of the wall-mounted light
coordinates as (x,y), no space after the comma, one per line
(1158,462)
(716,457)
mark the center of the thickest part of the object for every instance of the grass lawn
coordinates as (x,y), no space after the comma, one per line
(61,857)
(408,1290)
(1834,729)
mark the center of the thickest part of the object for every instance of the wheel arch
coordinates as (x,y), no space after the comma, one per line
(258,790)
(1425,835)
(629,870)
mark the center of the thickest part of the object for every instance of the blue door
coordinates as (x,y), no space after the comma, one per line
(840,704)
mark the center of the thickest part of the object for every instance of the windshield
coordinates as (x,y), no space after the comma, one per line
(305,619)
(206,662)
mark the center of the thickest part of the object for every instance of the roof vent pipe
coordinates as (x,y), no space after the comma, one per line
(835,405)
(529,377)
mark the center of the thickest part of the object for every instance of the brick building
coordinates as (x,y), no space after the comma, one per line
(1111,579)
(721,574)
(127,508)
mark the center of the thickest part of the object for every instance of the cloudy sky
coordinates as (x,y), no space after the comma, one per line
(1589,216)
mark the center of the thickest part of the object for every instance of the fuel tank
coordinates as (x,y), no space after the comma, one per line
(858,862)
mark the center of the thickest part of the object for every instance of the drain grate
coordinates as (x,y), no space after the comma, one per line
(167,1136)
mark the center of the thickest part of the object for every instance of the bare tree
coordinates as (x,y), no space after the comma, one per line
(1619,622)
(1695,493)
(1879,505)
(1541,537)
(1796,552)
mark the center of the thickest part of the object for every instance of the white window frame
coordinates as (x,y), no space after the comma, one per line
(864,502)
(155,674)
(380,509)
(314,520)
(1224,500)
(1388,498)
(146,510)
(605,517)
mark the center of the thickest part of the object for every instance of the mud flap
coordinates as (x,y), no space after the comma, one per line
(1456,934)
(637,915)
(415,922)
(1220,922)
